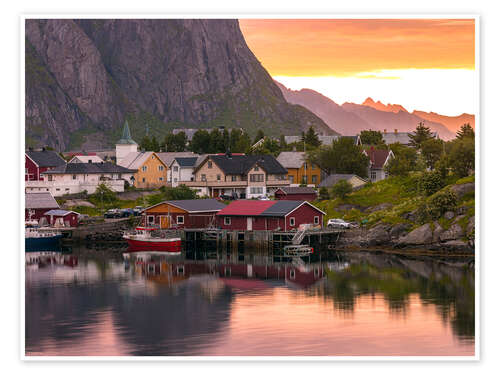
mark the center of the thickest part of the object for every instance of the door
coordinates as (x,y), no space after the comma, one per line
(164,222)
(249,223)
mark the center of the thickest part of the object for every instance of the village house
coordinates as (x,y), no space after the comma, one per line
(324,139)
(241,176)
(61,218)
(189,213)
(355,181)
(75,178)
(281,215)
(299,170)
(168,157)
(86,158)
(37,204)
(151,171)
(296,193)
(181,170)
(378,161)
(400,137)
(36,162)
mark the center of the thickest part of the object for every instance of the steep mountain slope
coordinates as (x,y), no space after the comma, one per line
(351,118)
(333,114)
(85,77)
(451,122)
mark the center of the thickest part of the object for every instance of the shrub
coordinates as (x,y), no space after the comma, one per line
(323,194)
(441,202)
(430,182)
(341,189)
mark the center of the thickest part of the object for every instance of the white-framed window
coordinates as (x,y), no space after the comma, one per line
(290,178)
(180,219)
(256,190)
(151,219)
(316,220)
(152,157)
(218,177)
(50,177)
(74,177)
(256,169)
(234,178)
(292,274)
(209,164)
(227,220)
(314,179)
(57,189)
(67,189)
(176,168)
(160,168)
(175,179)
(373,175)
(160,178)
(144,168)
(203,177)
(144,179)
(292,221)
(180,270)
(256,178)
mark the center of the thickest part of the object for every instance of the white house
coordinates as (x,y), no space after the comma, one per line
(86,159)
(378,162)
(181,169)
(75,178)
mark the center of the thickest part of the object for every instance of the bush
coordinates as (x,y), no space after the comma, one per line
(430,182)
(441,202)
(341,189)
(323,194)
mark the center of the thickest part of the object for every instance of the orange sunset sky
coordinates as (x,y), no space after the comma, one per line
(424,64)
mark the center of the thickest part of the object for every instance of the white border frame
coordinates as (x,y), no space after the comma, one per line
(430,15)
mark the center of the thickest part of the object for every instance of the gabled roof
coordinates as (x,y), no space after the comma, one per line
(135,160)
(262,208)
(59,212)
(46,158)
(194,205)
(88,168)
(291,159)
(241,164)
(85,159)
(40,200)
(290,190)
(186,162)
(378,158)
(324,139)
(168,157)
(334,178)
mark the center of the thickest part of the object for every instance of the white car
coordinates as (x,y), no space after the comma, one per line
(339,223)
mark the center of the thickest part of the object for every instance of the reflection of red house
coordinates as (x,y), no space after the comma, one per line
(36,204)
(36,162)
(68,218)
(268,215)
(296,193)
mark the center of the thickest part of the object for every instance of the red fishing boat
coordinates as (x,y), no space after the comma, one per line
(150,238)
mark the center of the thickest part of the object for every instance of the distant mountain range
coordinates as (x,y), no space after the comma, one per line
(351,118)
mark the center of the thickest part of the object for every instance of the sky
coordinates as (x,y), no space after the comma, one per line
(423,64)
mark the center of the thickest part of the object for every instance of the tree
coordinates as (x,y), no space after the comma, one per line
(283,144)
(430,182)
(269,146)
(461,157)
(404,161)
(371,137)
(465,131)
(311,138)
(432,149)
(259,136)
(341,189)
(216,142)
(145,144)
(323,193)
(421,134)
(154,145)
(200,144)
(175,142)
(243,144)
(342,156)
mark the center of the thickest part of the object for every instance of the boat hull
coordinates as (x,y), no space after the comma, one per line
(40,243)
(170,246)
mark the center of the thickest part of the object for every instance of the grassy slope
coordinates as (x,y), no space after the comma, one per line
(401,192)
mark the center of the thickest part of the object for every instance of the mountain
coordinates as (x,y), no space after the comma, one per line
(351,118)
(451,122)
(85,77)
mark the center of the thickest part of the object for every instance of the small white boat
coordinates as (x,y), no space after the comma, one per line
(298,250)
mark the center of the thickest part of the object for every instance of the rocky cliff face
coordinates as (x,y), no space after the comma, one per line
(84,77)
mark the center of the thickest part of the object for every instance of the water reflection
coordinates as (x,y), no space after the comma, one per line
(89,302)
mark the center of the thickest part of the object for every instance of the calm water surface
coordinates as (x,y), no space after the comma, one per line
(88,302)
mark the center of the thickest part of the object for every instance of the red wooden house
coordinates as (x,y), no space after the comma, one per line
(296,193)
(61,218)
(36,204)
(282,215)
(36,162)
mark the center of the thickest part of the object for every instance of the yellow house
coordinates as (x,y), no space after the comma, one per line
(299,171)
(151,172)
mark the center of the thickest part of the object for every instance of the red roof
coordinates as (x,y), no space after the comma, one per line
(246,207)
(377,157)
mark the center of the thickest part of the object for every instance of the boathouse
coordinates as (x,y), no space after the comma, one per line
(61,218)
(36,204)
(189,213)
(296,193)
(280,215)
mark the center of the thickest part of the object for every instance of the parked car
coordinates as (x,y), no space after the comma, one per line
(264,198)
(112,213)
(338,223)
(137,210)
(127,212)
(82,217)
(227,197)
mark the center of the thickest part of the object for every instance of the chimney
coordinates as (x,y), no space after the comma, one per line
(396,131)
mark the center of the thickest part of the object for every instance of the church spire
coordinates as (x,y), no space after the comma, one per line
(126,138)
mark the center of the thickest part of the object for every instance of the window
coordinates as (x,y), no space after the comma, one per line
(209,164)
(256,190)
(144,168)
(290,178)
(313,167)
(373,175)
(151,219)
(316,272)
(57,189)
(160,178)
(144,179)
(227,220)
(180,219)
(314,179)
(234,178)
(304,179)
(292,221)
(160,168)
(292,274)
(152,157)
(25,170)
(176,168)
(256,169)
(203,177)
(218,177)
(74,177)
(180,270)
(50,177)
(316,220)
(305,165)
(175,179)
(256,178)
(67,189)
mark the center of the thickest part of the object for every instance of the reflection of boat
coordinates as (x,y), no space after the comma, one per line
(298,250)
(146,238)
(36,238)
